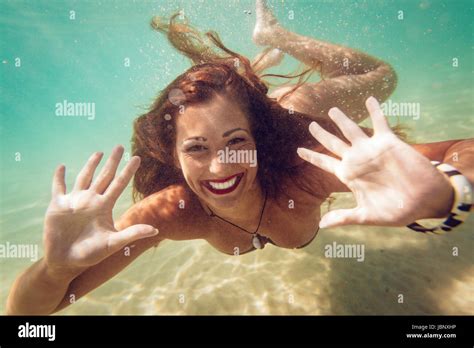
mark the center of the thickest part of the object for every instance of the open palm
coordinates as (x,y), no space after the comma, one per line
(393,184)
(79,229)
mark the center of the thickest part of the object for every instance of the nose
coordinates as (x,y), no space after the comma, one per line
(216,166)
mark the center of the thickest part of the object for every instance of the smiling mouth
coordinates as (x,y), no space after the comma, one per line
(223,186)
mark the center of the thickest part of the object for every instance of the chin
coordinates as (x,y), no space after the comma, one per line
(224,203)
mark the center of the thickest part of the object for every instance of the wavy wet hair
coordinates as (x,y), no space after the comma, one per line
(277,131)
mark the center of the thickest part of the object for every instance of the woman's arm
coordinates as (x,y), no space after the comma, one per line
(78,233)
(458,153)
(42,290)
(39,289)
(160,210)
(97,275)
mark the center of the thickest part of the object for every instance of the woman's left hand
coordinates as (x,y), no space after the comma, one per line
(393,184)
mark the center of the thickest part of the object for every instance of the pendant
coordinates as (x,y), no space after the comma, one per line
(256,242)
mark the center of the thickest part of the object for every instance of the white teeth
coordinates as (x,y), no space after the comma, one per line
(223,185)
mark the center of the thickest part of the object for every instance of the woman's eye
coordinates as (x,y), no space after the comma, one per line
(236,141)
(195,148)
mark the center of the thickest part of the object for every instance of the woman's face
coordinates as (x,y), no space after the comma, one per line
(216,151)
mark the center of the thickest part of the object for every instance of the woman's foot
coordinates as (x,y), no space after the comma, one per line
(266,25)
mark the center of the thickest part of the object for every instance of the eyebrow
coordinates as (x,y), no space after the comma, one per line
(196,138)
(229,132)
(226,134)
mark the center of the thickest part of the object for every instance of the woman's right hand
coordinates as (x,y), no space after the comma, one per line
(79,229)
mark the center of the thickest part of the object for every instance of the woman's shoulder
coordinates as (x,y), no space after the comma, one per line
(173,210)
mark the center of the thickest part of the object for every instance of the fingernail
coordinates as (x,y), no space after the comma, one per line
(322,224)
(371,100)
(153,232)
(300,151)
(313,126)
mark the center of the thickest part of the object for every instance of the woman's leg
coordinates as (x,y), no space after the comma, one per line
(349,76)
(266,59)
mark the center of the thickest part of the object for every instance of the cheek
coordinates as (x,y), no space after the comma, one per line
(252,169)
(191,168)
(252,165)
(246,146)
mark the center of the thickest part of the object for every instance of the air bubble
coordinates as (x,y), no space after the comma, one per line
(176,96)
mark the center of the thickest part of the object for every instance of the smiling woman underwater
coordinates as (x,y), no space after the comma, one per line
(183,187)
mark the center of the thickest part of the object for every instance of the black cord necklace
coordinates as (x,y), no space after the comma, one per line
(257,238)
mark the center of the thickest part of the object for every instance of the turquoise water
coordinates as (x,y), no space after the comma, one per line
(83,60)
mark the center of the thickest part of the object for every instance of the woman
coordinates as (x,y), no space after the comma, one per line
(189,190)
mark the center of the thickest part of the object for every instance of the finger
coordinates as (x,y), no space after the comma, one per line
(59,184)
(342,217)
(324,162)
(119,184)
(328,140)
(84,178)
(117,240)
(349,128)
(379,121)
(109,170)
